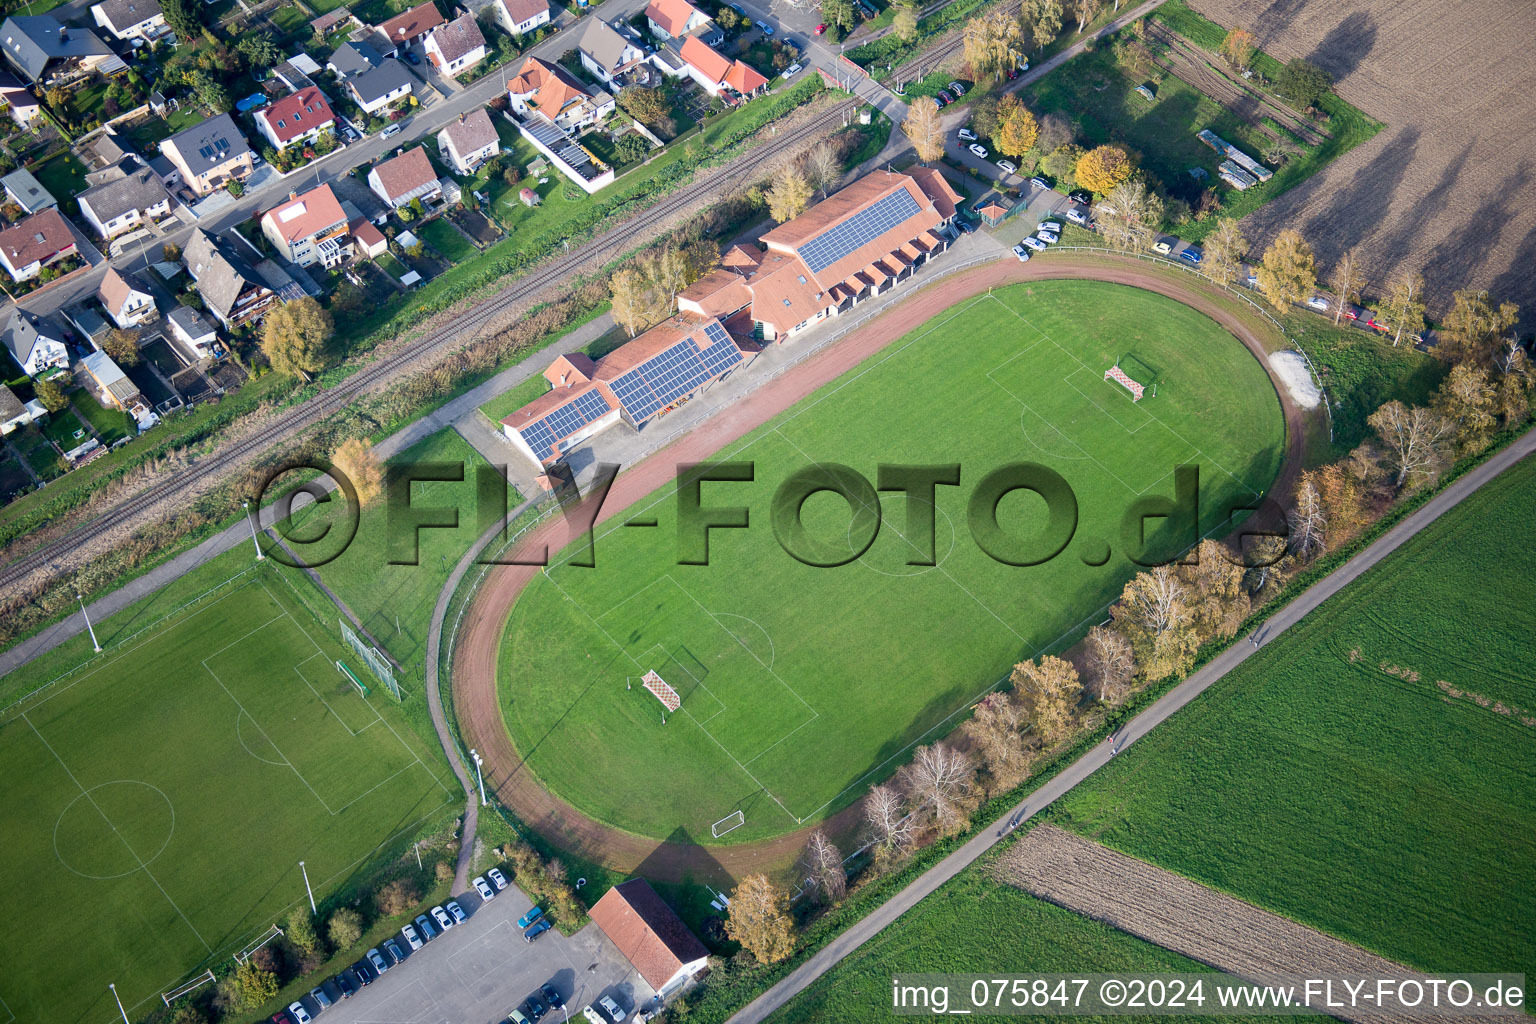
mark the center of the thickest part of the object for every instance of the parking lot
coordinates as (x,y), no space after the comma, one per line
(479,971)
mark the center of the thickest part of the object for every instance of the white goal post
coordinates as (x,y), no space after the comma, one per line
(734,820)
(1119,376)
(663,692)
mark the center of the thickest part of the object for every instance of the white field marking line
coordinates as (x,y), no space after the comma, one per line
(142,866)
(772,651)
(241,737)
(658,644)
(298,669)
(771,795)
(10,1014)
(810,401)
(1086,454)
(1101,383)
(1198,450)
(696,680)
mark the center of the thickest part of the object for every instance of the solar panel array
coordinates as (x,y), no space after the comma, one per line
(542,433)
(862,228)
(674,372)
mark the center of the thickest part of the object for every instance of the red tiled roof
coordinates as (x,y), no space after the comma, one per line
(706,58)
(663,336)
(671,16)
(744,78)
(937,188)
(306,215)
(36,238)
(409,170)
(294,115)
(525,10)
(784,293)
(414,22)
(364,231)
(553,89)
(570,369)
(739,257)
(843,205)
(718,293)
(647,931)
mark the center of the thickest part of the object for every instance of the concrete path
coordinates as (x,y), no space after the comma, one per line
(1288,616)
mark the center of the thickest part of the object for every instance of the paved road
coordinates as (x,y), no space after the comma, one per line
(1139,726)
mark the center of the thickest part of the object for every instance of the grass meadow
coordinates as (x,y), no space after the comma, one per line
(800,685)
(1369,773)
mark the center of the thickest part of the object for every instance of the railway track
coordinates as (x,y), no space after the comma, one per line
(615,240)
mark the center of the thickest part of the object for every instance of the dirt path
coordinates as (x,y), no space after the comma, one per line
(475,696)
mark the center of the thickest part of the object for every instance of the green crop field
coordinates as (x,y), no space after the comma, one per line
(1372,772)
(160,797)
(802,684)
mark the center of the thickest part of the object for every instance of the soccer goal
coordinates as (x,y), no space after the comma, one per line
(1134,375)
(245,954)
(663,692)
(342,668)
(192,986)
(730,822)
(377,663)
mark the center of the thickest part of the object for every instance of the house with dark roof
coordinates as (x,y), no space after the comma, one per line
(650,935)
(377,88)
(672,20)
(353,58)
(45,51)
(606,52)
(309,228)
(468,142)
(26,191)
(408,176)
(13,414)
(123,202)
(298,119)
(193,330)
(113,389)
(132,19)
(456,47)
(210,154)
(411,27)
(35,242)
(127,301)
(521,16)
(34,342)
(24,106)
(230,287)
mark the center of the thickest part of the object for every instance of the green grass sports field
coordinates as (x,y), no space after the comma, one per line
(159,799)
(1371,772)
(801,685)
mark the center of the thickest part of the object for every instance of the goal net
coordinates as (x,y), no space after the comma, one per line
(1119,376)
(377,663)
(192,986)
(664,693)
(731,821)
(270,934)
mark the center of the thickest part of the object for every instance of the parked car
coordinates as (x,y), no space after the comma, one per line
(345,985)
(957,88)
(1318,303)
(614,1009)
(444,922)
(1008,167)
(1049,237)
(393,949)
(790,72)
(456,910)
(321,997)
(821,29)
(412,937)
(534,1008)
(533,915)
(517,1017)
(1081,195)
(944,99)
(394,129)
(1163,247)
(299,1013)
(966,135)
(485,889)
(1039,182)
(1192,255)
(424,925)
(1013,73)
(766,28)
(977,150)
(1022,253)
(593,1017)
(552,996)
(1049,225)
(363,973)
(1023,63)
(281,1017)
(1034,243)
(539,928)
(1077,216)
(413,56)
(377,960)
(498,879)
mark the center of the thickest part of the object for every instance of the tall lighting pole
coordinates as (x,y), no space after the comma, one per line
(113,987)
(475,757)
(254,542)
(84,615)
(312,908)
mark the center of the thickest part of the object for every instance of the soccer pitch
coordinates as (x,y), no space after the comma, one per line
(801,686)
(158,800)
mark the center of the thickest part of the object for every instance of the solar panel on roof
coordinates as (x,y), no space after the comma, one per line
(859,230)
(674,372)
(564,421)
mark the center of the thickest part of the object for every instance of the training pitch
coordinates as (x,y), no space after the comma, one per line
(159,800)
(800,686)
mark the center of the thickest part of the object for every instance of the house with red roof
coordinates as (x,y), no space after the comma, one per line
(408,176)
(521,17)
(717,74)
(411,27)
(308,229)
(650,935)
(298,119)
(34,242)
(676,19)
(547,89)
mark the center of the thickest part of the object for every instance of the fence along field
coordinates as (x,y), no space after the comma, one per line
(800,684)
(159,799)
(1371,772)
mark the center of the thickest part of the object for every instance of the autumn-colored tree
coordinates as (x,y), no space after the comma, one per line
(941,784)
(993,43)
(301,932)
(1225,251)
(122,345)
(50,394)
(904,23)
(1512,400)
(397,897)
(1288,272)
(995,733)
(170,252)
(1218,604)
(1308,520)
(759,919)
(1017,130)
(293,336)
(1415,440)
(1466,398)
(923,127)
(1401,310)
(1343,499)
(1041,19)
(1110,664)
(645,104)
(355,458)
(1153,612)
(1346,282)
(1238,48)
(1474,329)
(789,194)
(1102,168)
(1049,689)
(345,928)
(1130,215)
(632,303)
(822,863)
(253,986)
(1086,11)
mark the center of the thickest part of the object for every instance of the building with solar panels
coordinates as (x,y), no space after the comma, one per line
(858,243)
(636,383)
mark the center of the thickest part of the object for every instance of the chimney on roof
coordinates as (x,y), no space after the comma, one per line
(292,194)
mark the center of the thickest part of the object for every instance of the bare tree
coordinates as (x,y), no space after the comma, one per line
(823,169)
(1225,251)
(995,730)
(1415,440)
(923,126)
(1110,664)
(1055,131)
(823,866)
(1138,211)
(886,818)
(1309,523)
(939,780)
(1156,599)
(1345,282)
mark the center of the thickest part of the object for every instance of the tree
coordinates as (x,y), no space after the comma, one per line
(923,127)
(904,24)
(839,15)
(188,1013)
(181,17)
(1308,522)
(1102,168)
(122,345)
(1343,502)
(50,394)
(258,51)
(1017,131)
(647,105)
(1513,394)
(1415,441)
(993,43)
(1055,131)
(1130,216)
(1474,330)
(1154,613)
(1061,164)
(1288,272)
(1110,664)
(356,459)
(759,919)
(294,335)
(1041,19)
(170,253)
(1050,689)
(1466,398)
(886,819)
(1086,11)
(823,168)
(253,985)
(210,92)
(995,733)
(1218,603)
(1303,83)
(789,194)
(1238,47)
(1402,308)
(1225,250)
(301,932)
(940,780)
(1345,282)
(823,866)
(632,302)
(345,928)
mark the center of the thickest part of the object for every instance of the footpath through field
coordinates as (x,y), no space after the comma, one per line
(1139,726)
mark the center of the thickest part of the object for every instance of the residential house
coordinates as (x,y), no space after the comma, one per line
(521,16)
(210,154)
(132,19)
(191,328)
(46,51)
(353,58)
(650,935)
(718,75)
(408,176)
(13,414)
(468,142)
(548,90)
(309,228)
(86,317)
(26,191)
(456,47)
(36,344)
(230,288)
(35,242)
(125,201)
(24,107)
(607,53)
(411,27)
(368,239)
(296,120)
(114,389)
(376,89)
(127,301)
(673,20)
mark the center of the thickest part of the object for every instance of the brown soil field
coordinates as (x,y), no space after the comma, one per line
(1184,916)
(1446,187)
